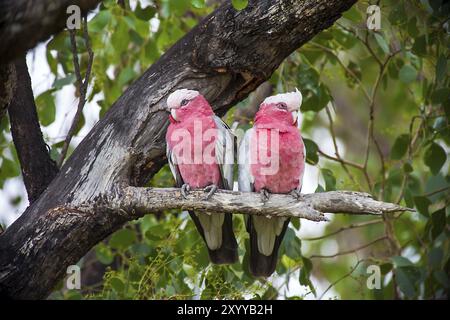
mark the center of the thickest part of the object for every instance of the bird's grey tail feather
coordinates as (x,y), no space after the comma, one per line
(261,265)
(227,253)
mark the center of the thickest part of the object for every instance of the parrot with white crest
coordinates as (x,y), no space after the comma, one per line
(271,160)
(201,154)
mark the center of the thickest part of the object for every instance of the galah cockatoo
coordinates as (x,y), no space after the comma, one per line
(201,154)
(271,160)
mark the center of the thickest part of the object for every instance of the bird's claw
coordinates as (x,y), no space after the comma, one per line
(211,189)
(264,195)
(185,188)
(296,194)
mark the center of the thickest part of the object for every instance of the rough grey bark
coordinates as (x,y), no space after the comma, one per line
(136,202)
(38,168)
(24,23)
(225,57)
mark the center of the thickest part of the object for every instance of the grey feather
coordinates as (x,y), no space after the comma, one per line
(246,180)
(225,154)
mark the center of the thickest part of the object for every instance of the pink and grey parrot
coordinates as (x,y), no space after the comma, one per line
(201,154)
(271,160)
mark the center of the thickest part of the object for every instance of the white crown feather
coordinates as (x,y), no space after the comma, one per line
(175,98)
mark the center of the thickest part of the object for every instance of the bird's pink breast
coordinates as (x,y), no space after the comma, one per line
(195,165)
(291,159)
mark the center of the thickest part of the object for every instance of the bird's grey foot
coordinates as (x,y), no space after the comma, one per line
(264,195)
(185,188)
(211,189)
(296,194)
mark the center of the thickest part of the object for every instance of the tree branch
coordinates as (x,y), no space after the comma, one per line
(342,253)
(138,201)
(82,85)
(25,23)
(38,169)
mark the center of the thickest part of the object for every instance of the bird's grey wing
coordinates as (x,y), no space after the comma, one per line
(246,180)
(225,152)
(300,185)
(171,159)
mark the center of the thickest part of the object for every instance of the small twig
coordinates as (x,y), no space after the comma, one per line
(81,84)
(436,191)
(349,251)
(347,162)
(363,41)
(336,149)
(341,278)
(350,72)
(352,226)
(371,125)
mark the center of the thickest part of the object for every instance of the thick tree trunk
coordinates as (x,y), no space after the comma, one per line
(225,57)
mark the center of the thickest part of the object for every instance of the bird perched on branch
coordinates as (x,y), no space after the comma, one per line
(201,154)
(271,160)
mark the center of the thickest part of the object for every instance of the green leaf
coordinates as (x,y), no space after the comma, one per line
(400,261)
(144,13)
(99,22)
(292,244)
(122,239)
(58,84)
(435,258)
(352,14)
(295,223)
(117,284)
(330,180)
(400,146)
(305,272)
(316,99)
(406,278)
(8,169)
(104,254)
(422,204)
(119,38)
(45,105)
(407,73)
(440,95)
(420,46)
(156,233)
(239,4)
(382,43)
(438,221)
(312,149)
(412,27)
(407,167)
(442,277)
(441,68)
(385,268)
(126,75)
(198,3)
(319,189)
(435,158)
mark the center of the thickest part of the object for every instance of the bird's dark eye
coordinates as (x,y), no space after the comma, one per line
(184,102)
(282,105)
